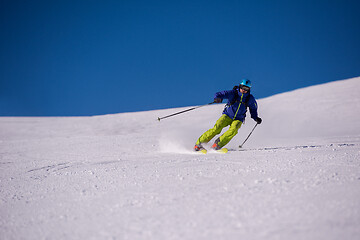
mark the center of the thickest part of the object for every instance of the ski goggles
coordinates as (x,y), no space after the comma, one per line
(245,88)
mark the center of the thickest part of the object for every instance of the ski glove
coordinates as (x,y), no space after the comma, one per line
(258,120)
(217,100)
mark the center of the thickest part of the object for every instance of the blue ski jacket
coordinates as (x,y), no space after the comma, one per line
(237,104)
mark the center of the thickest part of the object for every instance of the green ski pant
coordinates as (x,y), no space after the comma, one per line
(225,138)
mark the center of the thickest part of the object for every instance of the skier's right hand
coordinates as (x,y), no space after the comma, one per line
(217,100)
(258,120)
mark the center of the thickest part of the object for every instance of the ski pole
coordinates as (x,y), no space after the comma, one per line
(193,108)
(240,146)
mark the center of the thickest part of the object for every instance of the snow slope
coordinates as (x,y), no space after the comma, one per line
(128,176)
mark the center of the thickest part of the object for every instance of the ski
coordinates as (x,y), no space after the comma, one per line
(204,151)
(222,150)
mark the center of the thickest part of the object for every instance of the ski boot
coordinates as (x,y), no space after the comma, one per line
(217,148)
(200,148)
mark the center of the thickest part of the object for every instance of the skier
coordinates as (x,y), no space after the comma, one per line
(234,115)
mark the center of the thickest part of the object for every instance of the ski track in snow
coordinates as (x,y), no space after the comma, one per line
(128,176)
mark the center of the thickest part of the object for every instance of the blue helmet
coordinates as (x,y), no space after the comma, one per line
(246,82)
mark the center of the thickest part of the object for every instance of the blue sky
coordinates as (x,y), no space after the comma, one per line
(75,58)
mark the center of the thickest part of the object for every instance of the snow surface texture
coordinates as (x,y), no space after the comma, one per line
(129,176)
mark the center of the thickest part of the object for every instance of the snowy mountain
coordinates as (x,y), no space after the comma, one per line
(129,176)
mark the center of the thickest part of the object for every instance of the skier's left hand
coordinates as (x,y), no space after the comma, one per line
(217,100)
(258,120)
